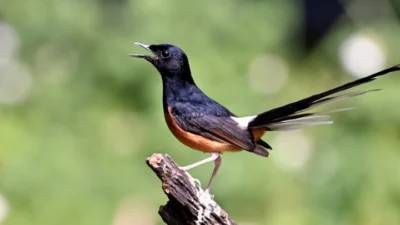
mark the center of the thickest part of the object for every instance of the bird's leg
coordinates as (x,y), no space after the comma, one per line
(213,157)
(217,162)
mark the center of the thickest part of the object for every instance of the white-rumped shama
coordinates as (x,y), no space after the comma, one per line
(203,124)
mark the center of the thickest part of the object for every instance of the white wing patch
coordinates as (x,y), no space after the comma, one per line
(243,122)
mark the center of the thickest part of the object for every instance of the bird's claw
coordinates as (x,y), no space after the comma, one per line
(183,168)
(197,181)
(208,192)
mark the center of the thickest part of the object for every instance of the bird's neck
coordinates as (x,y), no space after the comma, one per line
(178,87)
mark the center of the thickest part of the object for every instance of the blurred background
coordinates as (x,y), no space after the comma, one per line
(78,117)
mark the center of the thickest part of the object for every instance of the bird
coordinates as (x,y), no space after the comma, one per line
(203,124)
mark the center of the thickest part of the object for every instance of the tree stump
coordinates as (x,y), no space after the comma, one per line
(188,203)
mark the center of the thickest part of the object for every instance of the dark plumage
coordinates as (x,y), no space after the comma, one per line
(203,124)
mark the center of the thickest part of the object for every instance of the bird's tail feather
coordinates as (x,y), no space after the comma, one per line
(289,117)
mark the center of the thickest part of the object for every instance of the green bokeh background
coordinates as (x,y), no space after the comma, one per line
(74,151)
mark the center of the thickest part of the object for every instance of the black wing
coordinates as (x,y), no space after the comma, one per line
(221,129)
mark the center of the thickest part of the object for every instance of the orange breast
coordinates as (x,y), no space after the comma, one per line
(195,141)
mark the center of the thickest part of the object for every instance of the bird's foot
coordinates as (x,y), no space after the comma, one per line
(185,168)
(197,182)
(208,192)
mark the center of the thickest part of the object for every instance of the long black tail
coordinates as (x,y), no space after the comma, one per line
(286,117)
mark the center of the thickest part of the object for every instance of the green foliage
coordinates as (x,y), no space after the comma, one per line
(73,152)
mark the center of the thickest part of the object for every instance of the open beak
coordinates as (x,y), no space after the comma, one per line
(147,47)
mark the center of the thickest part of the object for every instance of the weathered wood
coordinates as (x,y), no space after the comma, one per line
(188,203)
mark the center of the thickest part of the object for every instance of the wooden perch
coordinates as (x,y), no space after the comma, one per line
(188,203)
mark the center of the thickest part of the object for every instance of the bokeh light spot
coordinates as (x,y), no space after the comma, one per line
(361,55)
(9,43)
(268,74)
(294,150)
(3,208)
(15,83)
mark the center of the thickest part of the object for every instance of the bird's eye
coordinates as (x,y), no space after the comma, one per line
(165,54)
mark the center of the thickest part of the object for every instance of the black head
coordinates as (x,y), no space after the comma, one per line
(168,59)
